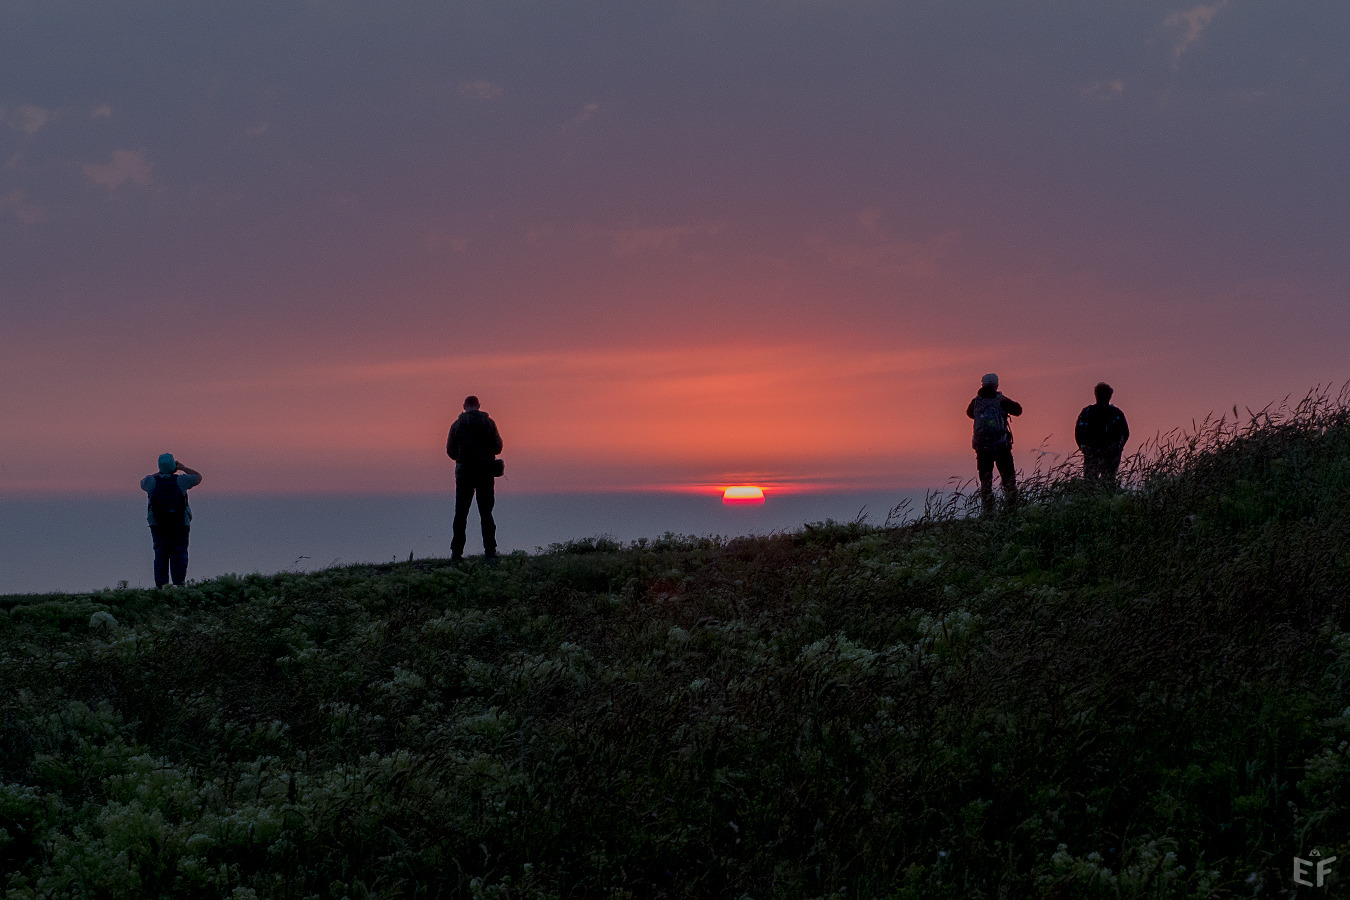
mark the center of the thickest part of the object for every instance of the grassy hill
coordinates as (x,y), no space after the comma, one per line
(1142,694)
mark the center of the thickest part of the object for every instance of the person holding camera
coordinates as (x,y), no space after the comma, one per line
(170,517)
(993,440)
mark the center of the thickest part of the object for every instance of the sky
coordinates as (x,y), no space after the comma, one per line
(670,245)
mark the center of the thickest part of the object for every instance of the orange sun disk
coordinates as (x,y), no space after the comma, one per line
(743,495)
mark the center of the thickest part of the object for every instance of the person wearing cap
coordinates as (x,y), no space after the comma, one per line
(993,440)
(473,444)
(169,517)
(1101,433)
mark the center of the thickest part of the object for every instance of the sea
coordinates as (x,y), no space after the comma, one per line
(77,545)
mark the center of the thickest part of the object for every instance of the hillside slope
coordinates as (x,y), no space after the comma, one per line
(1144,694)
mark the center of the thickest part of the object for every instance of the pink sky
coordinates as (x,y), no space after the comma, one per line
(663,254)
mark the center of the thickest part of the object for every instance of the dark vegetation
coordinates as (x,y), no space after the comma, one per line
(1138,694)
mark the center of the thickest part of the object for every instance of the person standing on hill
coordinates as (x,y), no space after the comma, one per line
(474,444)
(1101,434)
(993,440)
(170,518)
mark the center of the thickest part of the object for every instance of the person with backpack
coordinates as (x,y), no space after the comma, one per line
(170,518)
(473,444)
(993,440)
(1101,433)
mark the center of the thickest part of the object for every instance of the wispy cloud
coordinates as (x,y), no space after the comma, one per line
(29,119)
(481,90)
(587,113)
(877,253)
(1102,90)
(1193,23)
(539,233)
(697,379)
(16,204)
(455,243)
(126,166)
(638,240)
(257,130)
(102,111)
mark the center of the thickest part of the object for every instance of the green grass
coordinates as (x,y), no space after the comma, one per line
(1138,694)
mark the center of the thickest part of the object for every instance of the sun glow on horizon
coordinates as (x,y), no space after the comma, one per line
(743,495)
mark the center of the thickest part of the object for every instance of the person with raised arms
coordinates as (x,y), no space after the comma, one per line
(170,517)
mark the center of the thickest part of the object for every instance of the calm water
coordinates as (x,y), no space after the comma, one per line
(80,545)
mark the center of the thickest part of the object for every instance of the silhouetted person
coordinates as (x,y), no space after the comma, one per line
(169,516)
(993,440)
(1101,434)
(473,445)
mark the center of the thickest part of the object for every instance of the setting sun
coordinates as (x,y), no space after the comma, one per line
(742,495)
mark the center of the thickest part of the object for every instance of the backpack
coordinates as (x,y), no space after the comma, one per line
(991,424)
(168,503)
